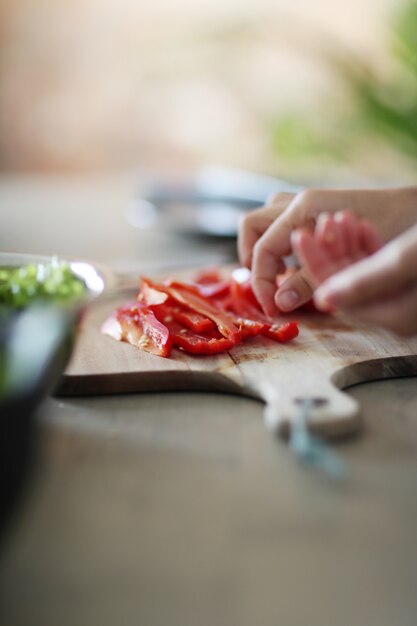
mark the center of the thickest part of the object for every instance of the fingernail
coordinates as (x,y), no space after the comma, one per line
(323,217)
(296,236)
(329,237)
(288,300)
(325,298)
(322,304)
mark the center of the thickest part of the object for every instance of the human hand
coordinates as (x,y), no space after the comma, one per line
(264,235)
(380,289)
(254,224)
(337,242)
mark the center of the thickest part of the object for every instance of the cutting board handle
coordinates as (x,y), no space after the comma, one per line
(332,412)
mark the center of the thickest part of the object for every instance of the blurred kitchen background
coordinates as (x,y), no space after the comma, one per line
(102,101)
(96,94)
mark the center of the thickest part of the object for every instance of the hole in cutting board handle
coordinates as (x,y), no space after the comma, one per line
(313,401)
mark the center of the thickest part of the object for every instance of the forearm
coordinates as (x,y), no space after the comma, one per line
(391,210)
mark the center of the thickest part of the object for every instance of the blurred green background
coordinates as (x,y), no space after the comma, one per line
(378,111)
(322,90)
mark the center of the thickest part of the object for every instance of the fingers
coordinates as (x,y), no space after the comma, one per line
(338,241)
(280,200)
(370,239)
(345,238)
(349,225)
(329,234)
(394,210)
(381,290)
(267,263)
(295,291)
(254,224)
(388,271)
(264,240)
(275,243)
(321,254)
(251,227)
(312,253)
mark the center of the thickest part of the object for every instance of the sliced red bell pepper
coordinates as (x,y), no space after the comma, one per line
(211,284)
(244,302)
(156,332)
(211,342)
(192,320)
(149,295)
(252,328)
(224,302)
(200,344)
(249,296)
(208,276)
(212,290)
(188,297)
(203,306)
(197,343)
(138,325)
(180,314)
(283,333)
(166,307)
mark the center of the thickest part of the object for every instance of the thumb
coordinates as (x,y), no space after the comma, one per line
(295,291)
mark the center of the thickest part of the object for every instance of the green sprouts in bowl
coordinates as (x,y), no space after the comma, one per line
(53,281)
(27,280)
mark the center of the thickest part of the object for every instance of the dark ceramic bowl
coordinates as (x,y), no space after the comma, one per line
(35,346)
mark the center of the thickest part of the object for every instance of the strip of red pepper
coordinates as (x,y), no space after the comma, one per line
(250,320)
(196,343)
(187,296)
(178,314)
(138,325)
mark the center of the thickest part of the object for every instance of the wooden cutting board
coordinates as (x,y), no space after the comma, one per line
(330,354)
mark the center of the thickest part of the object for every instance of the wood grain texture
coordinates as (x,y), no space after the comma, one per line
(329,355)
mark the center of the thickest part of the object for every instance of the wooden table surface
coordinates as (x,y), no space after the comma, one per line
(178,509)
